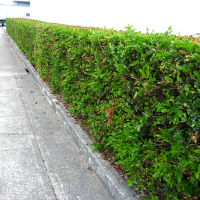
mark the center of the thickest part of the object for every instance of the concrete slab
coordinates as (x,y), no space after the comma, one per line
(21,171)
(14,124)
(38,158)
(7,84)
(14,106)
(74,187)
(55,146)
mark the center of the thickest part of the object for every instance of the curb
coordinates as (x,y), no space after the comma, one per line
(108,175)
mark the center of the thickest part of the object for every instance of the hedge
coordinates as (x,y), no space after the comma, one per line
(138,94)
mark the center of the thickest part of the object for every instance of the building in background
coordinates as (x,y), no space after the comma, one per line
(15,8)
(24,5)
(158,15)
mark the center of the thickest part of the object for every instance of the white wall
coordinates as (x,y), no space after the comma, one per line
(18,12)
(7,9)
(158,15)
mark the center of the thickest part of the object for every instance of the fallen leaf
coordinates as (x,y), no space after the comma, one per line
(109,114)
(184,52)
(89,168)
(194,139)
(104,60)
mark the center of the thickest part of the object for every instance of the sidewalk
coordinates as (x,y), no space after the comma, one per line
(38,158)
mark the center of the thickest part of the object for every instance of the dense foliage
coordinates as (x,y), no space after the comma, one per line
(138,93)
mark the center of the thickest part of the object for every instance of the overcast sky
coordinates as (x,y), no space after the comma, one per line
(6,1)
(158,15)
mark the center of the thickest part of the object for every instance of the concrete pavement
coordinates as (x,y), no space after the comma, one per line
(38,158)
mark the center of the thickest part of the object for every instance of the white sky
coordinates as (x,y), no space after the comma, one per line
(8,10)
(6,1)
(158,15)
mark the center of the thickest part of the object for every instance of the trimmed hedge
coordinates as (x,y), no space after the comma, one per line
(138,93)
